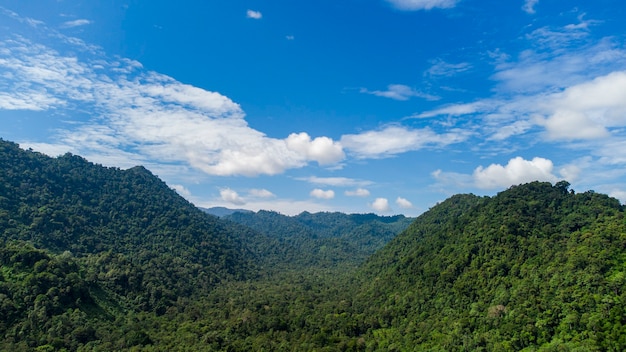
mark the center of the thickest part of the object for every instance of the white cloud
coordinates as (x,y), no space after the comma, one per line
(457,109)
(404,203)
(517,171)
(413,5)
(381,205)
(321,149)
(393,140)
(76,23)
(359,192)
(529,6)
(261,193)
(399,92)
(254,14)
(446,69)
(144,116)
(336,181)
(584,111)
(33,100)
(322,194)
(230,196)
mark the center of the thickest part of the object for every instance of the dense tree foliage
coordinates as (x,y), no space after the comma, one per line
(102,259)
(536,267)
(137,236)
(323,239)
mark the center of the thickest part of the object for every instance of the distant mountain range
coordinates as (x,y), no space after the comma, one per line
(222,211)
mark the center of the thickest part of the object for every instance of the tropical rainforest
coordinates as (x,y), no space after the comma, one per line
(103,259)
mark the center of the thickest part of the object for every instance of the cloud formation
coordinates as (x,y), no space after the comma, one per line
(76,23)
(399,92)
(359,192)
(321,149)
(589,109)
(336,181)
(404,203)
(254,14)
(381,205)
(232,197)
(145,115)
(516,171)
(394,139)
(413,5)
(322,194)
(529,6)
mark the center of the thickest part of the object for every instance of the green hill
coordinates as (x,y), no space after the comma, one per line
(135,244)
(536,267)
(323,239)
(103,259)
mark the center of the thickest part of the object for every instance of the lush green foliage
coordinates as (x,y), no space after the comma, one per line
(134,237)
(323,239)
(102,259)
(536,267)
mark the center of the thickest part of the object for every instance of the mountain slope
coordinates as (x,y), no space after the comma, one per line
(536,266)
(138,237)
(324,239)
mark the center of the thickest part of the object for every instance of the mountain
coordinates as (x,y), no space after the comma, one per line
(222,211)
(135,233)
(537,267)
(324,239)
(103,259)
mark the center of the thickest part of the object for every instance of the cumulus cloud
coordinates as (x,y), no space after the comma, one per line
(529,6)
(76,23)
(321,149)
(516,171)
(254,14)
(393,140)
(323,194)
(381,205)
(413,5)
(231,196)
(584,111)
(399,92)
(404,203)
(359,192)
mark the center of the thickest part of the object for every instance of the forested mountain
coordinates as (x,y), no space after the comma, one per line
(102,259)
(140,244)
(535,267)
(324,239)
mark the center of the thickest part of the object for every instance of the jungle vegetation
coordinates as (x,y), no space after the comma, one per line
(103,259)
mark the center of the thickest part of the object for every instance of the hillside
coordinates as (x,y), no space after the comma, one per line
(139,244)
(536,266)
(324,239)
(103,259)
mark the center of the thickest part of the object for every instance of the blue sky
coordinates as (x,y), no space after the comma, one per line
(384,106)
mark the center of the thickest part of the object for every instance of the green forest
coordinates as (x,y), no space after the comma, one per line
(104,259)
